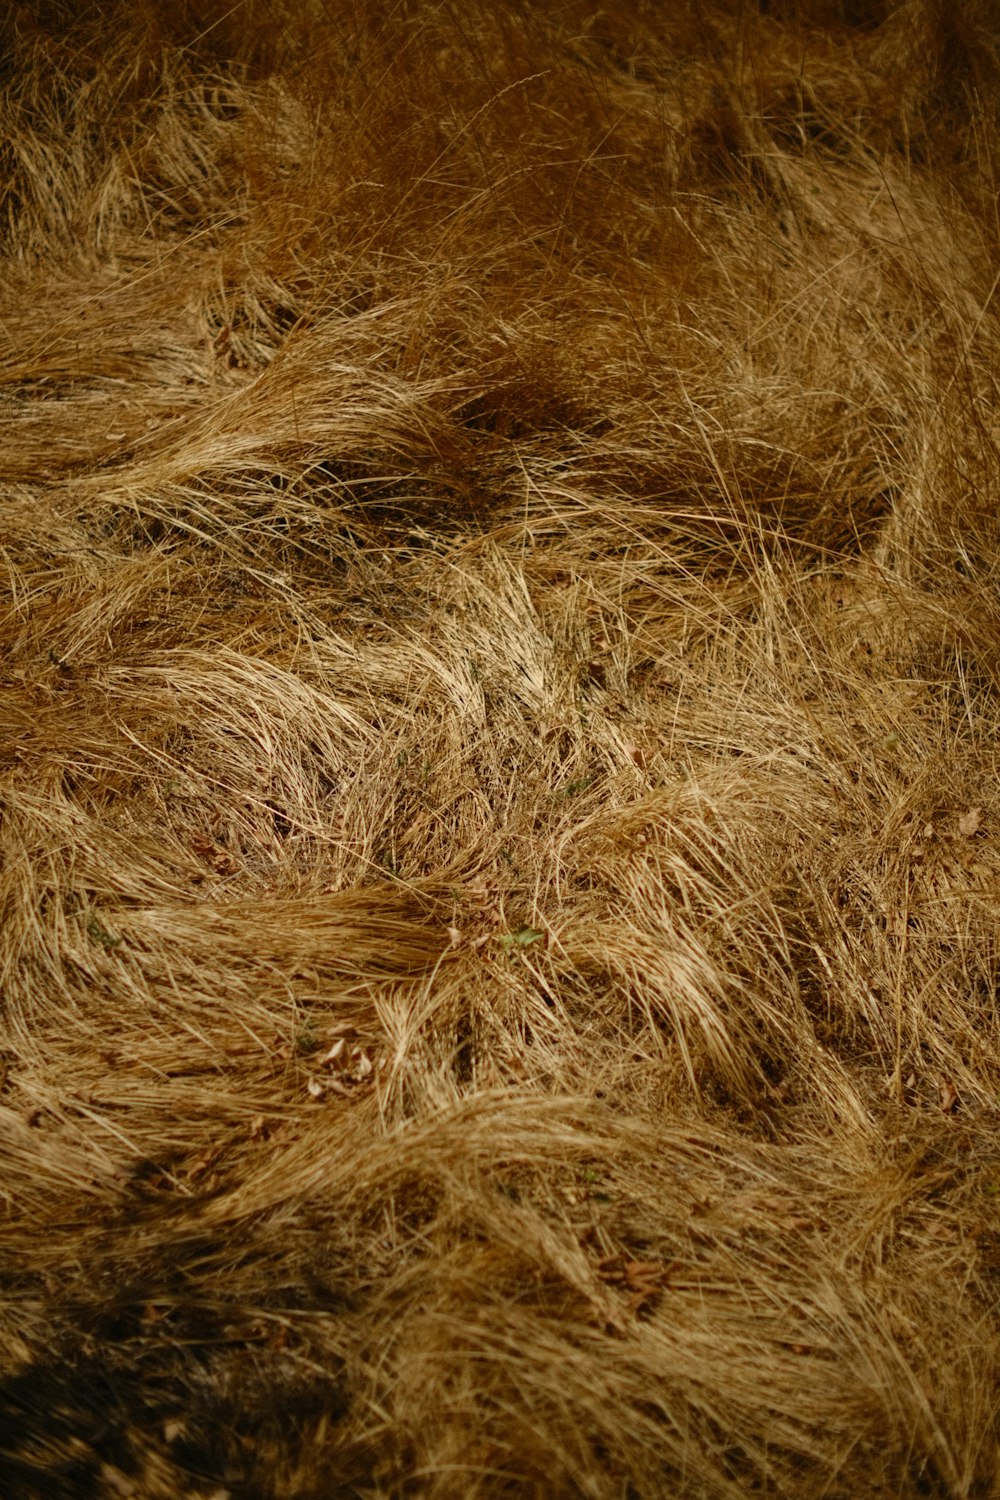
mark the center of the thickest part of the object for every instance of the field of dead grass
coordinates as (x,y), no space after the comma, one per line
(499,870)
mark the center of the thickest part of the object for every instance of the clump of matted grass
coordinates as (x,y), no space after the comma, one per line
(499,869)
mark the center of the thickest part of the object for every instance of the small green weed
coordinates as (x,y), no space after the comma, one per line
(522,937)
(100,933)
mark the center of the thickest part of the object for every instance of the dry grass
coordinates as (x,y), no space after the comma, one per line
(499,808)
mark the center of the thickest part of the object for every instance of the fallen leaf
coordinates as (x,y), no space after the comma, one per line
(206,848)
(642,1270)
(348,1067)
(203,1163)
(335,1053)
(947,1096)
(969,822)
(622,1270)
(641,1281)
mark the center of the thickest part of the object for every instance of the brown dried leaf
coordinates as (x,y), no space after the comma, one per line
(350,1067)
(969,822)
(643,1275)
(947,1095)
(636,1270)
(336,1055)
(202,1164)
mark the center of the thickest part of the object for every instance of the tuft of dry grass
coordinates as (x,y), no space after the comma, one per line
(499,864)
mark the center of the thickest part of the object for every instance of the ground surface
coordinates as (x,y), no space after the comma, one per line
(498,751)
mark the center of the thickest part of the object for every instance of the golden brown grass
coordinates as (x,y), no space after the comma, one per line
(499,809)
